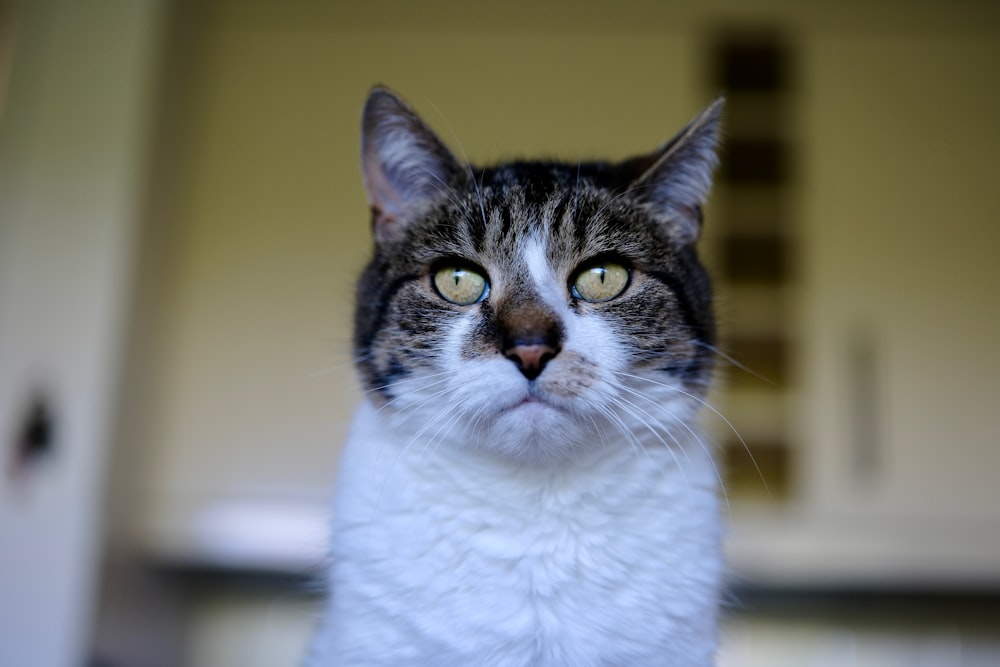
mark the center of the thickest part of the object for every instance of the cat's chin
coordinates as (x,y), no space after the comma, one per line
(534,428)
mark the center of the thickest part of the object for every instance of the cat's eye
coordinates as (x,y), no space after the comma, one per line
(460,285)
(600,282)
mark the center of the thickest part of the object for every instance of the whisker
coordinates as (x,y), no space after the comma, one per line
(336,368)
(438,435)
(406,413)
(635,411)
(407,410)
(388,474)
(396,383)
(697,437)
(618,422)
(713,409)
(576,191)
(465,158)
(732,360)
(598,429)
(449,192)
(621,403)
(615,198)
(323,372)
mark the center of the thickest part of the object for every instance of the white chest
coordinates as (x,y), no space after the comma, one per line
(448,558)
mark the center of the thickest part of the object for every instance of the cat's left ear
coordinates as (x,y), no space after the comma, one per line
(675,180)
(406,168)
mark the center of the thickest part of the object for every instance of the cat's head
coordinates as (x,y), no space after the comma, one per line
(533,307)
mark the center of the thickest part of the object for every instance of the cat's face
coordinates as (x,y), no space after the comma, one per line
(534,307)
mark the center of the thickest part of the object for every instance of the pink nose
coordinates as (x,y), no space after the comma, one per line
(531,358)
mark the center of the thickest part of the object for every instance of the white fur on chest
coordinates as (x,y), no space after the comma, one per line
(447,557)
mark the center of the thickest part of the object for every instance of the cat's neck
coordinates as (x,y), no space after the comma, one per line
(383,453)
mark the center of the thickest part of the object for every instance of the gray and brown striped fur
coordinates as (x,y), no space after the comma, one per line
(429,209)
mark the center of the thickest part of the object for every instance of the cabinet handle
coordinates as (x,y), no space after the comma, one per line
(36,435)
(864,400)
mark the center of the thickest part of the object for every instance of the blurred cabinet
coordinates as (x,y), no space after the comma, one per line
(896,318)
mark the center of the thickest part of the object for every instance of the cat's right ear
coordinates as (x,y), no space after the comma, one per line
(676,179)
(406,168)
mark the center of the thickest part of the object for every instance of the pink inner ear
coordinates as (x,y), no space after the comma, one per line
(384,225)
(385,201)
(381,193)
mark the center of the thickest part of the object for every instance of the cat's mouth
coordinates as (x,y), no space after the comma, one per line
(534,398)
(528,400)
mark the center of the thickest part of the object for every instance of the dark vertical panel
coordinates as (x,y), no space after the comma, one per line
(752,62)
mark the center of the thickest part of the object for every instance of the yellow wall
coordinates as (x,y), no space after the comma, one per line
(246,389)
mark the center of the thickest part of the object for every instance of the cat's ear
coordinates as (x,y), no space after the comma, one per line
(405,166)
(675,180)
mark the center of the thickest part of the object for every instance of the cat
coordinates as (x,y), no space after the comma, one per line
(525,483)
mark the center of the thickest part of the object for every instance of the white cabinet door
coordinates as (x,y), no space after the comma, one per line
(71,140)
(901,320)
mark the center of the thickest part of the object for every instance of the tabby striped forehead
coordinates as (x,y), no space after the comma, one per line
(564,208)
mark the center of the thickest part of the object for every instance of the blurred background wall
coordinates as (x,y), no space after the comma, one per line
(182,219)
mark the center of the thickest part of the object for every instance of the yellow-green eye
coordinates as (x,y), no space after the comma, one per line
(601,282)
(460,285)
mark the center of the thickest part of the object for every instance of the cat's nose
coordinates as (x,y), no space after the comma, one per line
(531,356)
